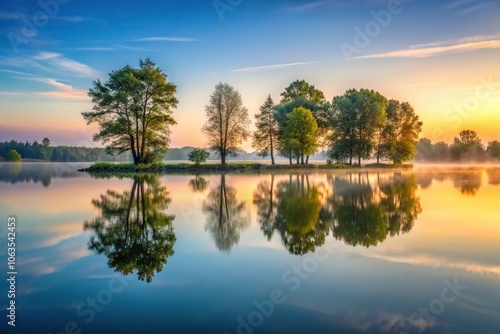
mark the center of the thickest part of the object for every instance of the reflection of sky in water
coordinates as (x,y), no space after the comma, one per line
(201,289)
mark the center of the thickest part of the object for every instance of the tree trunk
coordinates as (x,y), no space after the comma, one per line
(223,158)
(359,160)
(290,157)
(307,160)
(272,153)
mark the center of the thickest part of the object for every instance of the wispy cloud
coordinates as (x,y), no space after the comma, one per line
(5,15)
(468,6)
(308,6)
(434,49)
(271,67)
(50,62)
(165,39)
(11,15)
(312,5)
(59,62)
(111,48)
(97,48)
(15,72)
(61,91)
(465,40)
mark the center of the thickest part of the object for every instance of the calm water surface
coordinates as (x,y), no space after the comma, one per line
(330,252)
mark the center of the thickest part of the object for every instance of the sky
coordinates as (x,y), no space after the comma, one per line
(443,57)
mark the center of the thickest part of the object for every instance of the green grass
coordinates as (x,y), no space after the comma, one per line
(165,168)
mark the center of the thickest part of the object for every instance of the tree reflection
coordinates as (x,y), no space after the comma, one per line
(295,213)
(133,230)
(493,176)
(198,184)
(468,182)
(263,198)
(365,214)
(225,218)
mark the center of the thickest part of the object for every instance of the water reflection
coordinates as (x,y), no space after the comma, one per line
(294,211)
(493,176)
(366,212)
(467,181)
(18,172)
(198,184)
(225,216)
(133,230)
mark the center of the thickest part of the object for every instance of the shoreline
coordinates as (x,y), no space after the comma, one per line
(162,168)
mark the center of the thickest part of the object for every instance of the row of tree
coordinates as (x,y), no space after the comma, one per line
(133,109)
(15,150)
(359,124)
(466,147)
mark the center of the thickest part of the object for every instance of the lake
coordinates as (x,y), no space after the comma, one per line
(318,252)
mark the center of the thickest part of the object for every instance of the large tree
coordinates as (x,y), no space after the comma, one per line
(264,139)
(302,129)
(356,117)
(227,121)
(302,94)
(399,138)
(133,109)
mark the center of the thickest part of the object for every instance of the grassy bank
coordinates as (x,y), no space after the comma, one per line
(106,167)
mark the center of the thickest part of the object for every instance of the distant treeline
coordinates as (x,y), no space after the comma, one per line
(466,147)
(43,151)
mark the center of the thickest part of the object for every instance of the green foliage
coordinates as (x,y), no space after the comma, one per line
(301,133)
(225,218)
(493,149)
(301,90)
(265,137)
(357,116)
(13,156)
(226,127)
(135,238)
(467,146)
(198,156)
(399,137)
(134,111)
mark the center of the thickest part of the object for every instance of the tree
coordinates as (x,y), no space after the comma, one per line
(356,117)
(303,130)
(264,139)
(401,132)
(227,121)
(300,89)
(467,146)
(301,94)
(198,156)
(46,151)
(13,156)
(493,149)
(134,111)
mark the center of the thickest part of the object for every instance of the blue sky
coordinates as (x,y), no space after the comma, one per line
(431,54)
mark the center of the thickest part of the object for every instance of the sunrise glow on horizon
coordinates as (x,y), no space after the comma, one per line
(442,58)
